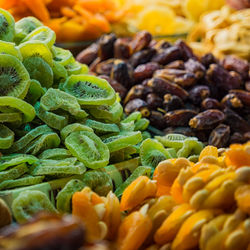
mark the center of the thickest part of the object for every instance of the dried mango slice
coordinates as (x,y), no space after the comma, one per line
(208,151)
(102,128)
(88,148)
(134,230)
(152,153)
(16,159)
(170,227)
(139,171)
(73,128)
(29,203)
(242,196)
(122,140)
(24,107)
(21,182)
(142,185)
(90,90)
(99,181)
(13,173)
(64,197)
(55,99)
(55,154)
(6,137)
(188,235)
(30,136)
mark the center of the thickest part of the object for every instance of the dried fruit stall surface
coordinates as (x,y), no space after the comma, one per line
(175,89)
(186,206)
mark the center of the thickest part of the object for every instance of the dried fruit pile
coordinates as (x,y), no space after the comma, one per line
(175,89)
(186,206)
(62,129)
(72,20)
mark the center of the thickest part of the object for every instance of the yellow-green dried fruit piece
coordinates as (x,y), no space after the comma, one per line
(7,26)
(6,137)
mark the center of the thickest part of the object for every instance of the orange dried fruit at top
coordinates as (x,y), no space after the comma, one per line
(170,227)
(176,192)
(134,230)
(242,196)
(238,155)
(139,190)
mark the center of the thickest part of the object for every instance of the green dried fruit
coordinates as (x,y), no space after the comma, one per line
(6,137)
(102,128)
(55,154)
(11,49)
(7,26)
(13,173)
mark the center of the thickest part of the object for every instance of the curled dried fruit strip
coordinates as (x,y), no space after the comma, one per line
(142,185)
(242,196)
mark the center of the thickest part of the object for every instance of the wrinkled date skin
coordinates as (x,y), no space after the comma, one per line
(137,105)
(106,46)
(138,91)
(207,119)
(172,102)
(144,71)
(88,55)
(219,137)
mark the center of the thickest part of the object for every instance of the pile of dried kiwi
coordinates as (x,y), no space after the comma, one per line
(57,122)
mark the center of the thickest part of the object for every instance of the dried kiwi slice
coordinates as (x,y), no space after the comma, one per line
(6,137)
(76,68)
(59,168)
(152,153)
(142,124)
(43,34)
(30,136)
(11,49)
(30,202)
(102,128)
(139,171)
(64,197)
(25,26)
(46,141)
(60,74)
(108,113)
(7,26)
(55,99)
(39,70)
(62,56)
(99,181)
(35,92)
(191,146)
(13,102)
(52,120)
(122,140)
(13,173)
(74,127)
(55,154)
(90,90)
(88,148)
(133,117)
(21,182)
(172,140)
(11,117)
(14,78)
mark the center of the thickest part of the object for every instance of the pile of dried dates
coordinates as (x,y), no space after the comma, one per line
(179,92)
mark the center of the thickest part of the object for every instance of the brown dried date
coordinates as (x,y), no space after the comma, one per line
(153,101)
(105,67)
(178,64)
(88,55)
(106,46)
(137,105)
(247,85)
(179,130)
(244,96)
(142,57)
(207,119)
(210,103)
(198,93)
(122,72)
(195,67)
(157,119)
(122,48)
(172,102)
(218,76)
(165,56)
(231,101)
(116,86)
(137,91)
(145,71)
(93,65)
(208,59)
(233,63)
(179,117)
(186,51)
(219,137)
(140,41)
(162,44)
(162,87)
(237,138)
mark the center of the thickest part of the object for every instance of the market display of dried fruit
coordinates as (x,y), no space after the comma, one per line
(176,90)
(186,206)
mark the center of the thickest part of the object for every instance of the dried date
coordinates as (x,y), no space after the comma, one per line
(122,48)
(207,119)
(106,46)
(195,67)
(137,105)
(88,55)
(198,93)
(142,57)
(210,103)
(178,64)
(186,51)
(145,71)
(157,119)
(153,101)
(138,91)
(232,101)
(179,117)
(219,137)
(105,67)
(165,56)
(140,41)
(208,59)
(244,96)
(172,102)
